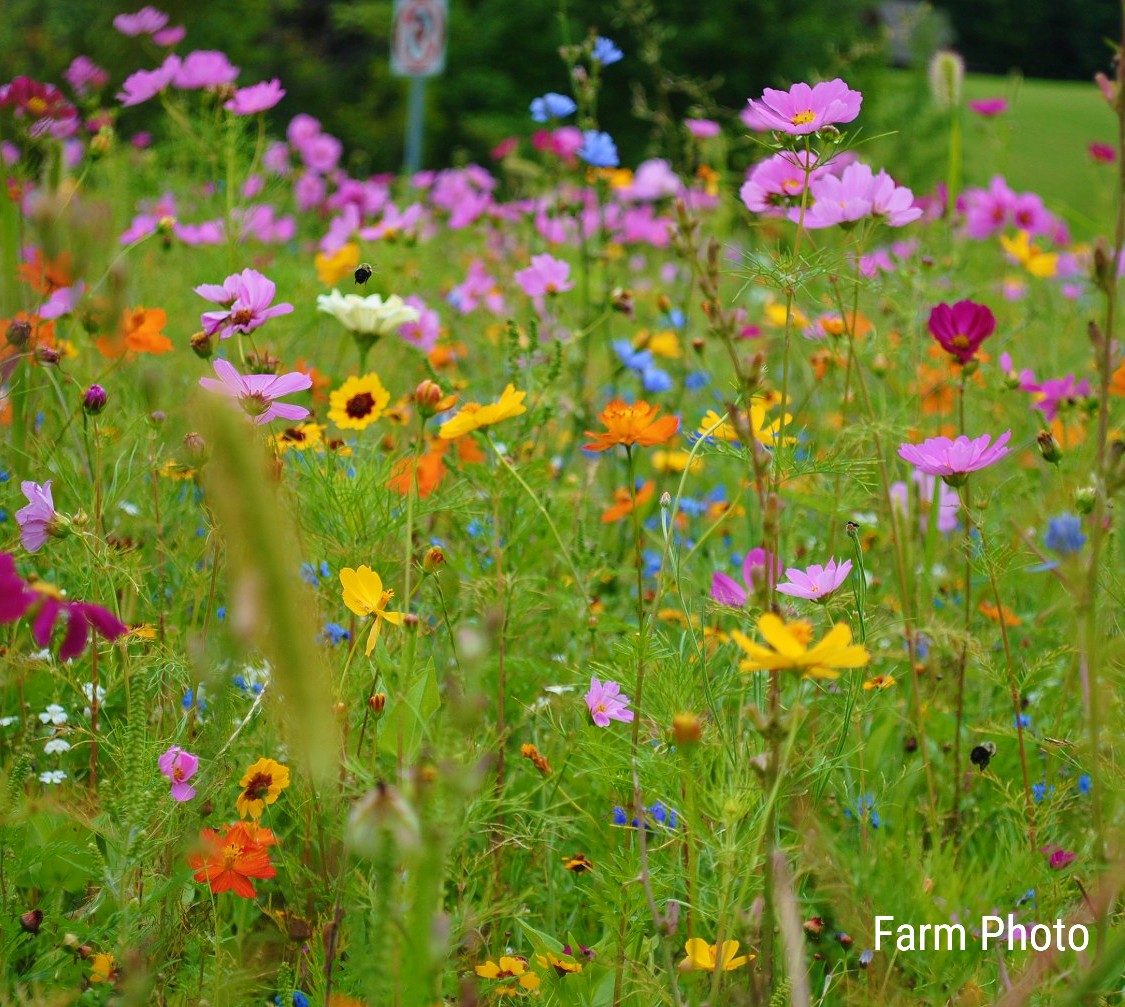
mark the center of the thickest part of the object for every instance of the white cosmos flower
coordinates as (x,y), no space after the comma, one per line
(369,315)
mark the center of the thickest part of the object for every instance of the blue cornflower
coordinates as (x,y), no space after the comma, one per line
(697,380)
(299,999)
(675,319)
(1085,784)
(692,507)
(221,613)
(308,574)
(4,476)
(663,815)
(191,699)
(1023,720)
(552,106)
(865,805)
(239,682)
(1064,534)
(1039,791)
(1028,896)
(655,380)
(606,52)
(598,149)
(335,634)
(641,361)
(653,561)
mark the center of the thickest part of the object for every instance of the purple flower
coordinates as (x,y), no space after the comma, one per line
(79,617)
(606,703)
(598,149)
(145,84)
(726,591)
(989,107)
(257,394)
(954,460)
(146,21)
(545,275)
(803,109)
(38,519)
(15,596)
(817,582)
(204,68)
(63,301)
(257,98)
(179,766)
(247,297)
(1057,857)
(961,328)
(1055,392)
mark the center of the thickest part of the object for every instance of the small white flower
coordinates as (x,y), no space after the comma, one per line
(129,508)
(52,776)
(88,692)
(56,745)
(8,721)
(54,714)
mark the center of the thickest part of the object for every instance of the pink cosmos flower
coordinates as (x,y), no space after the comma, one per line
(256,98)
(1057,857)
(168,37)
(545,275)
(84,75)
(817,582)
(726,591)
(857,193)
(247,298)
(803,109)
(954,460)
(79,617)
(1048,395)
(425,332)
(1103,153)
(776,183)
(257,394)
(948,501)
(321,153)
(961,328)
(145,84)
(204,68)
(606,703)
(38,519)
(987,210)
(989,107)
(702,129)
(63,301)
(179,766)
(146,21)
(15,596)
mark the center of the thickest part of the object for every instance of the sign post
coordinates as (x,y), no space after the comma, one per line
(418,38)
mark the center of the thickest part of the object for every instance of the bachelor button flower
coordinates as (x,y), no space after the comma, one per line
(788,649)
(364,595)
(803,109)
(257,98)
(606,51)
(817,582)
(257,394)
(1085,785)
(653,378)
(179,766)
(632,424)
(865,808)
(726,591)
(953,460)
(705,957)
(1064,534)
(598,149)
(335,634)
(606,703)
(247,298)
(1040,791)
(38,519)
(961,328)
(546,275)
(261,784)
(552,106)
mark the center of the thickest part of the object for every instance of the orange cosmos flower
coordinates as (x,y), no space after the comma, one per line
(428,473)
(629,425)
(229,861)
(45,276)
(623,505)
(990,611)
(140,332)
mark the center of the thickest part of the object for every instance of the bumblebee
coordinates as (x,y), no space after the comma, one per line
(981,755)
(363,273)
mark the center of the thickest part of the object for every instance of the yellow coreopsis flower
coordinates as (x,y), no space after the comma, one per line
(510,967)
(364,595)
(473,415)
(706,957)
(261,784)
(1038,263)
(790,650)
(725,429)
(358,402)
(332,268)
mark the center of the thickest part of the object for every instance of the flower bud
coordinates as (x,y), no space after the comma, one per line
(1103,265)
(19,333)
(262,363)
(195,446)
(1084,499)
(664,303)
(427,396)
(157,417)
(1049,447)
(947,72)
(94,400)
(377,702)
(686,729)
(621,300)
(202,345)
(411,621)
(665,500)
(434,559)
(47,355)
(31,921)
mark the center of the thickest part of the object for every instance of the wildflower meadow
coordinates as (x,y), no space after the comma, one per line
(551,579)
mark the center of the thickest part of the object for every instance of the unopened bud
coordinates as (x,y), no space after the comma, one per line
(19,333)
(377,702)
(947,72)
(1103,265)
(1049,447)
(195,446)
(262,363)
(202,345)
(686,729)
(382,815)
(621,299)
(31,921)
(664,303)
(434,559)
(410,620)
(427,396)
(698,344)
(879,365)
(47,355)
(665,500)
(1084,499)
(94,400)
(157,417)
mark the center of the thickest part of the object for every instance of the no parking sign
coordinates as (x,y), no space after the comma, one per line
(418,38)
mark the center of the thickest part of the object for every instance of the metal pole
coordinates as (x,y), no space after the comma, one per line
(415,115)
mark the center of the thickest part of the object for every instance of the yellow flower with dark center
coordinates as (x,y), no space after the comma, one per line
(563,965)
(261,784)
(300,438)
(879,682)
(333,267)
(364,595)
(358,402)
(788,649)
(510,967)
(579,863)
(473,415)
(706,957)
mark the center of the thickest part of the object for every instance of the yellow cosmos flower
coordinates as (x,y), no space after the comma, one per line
(1038,263)
(775,316)
(510,967)
(764,433)
(358,402)
(261,784)
(103,968)
(473,415)
(332,268)
(661,344)
(705,957)
(364,595)
(790,649)
(675,461)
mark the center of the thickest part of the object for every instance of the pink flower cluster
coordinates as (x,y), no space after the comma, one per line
(988,211)
(247,301)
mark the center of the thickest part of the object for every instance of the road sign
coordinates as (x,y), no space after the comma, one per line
(418,37)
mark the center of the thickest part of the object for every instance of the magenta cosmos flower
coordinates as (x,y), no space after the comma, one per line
(817,582)
(179,766)
(962,327)
(989,107)
(727,591)
(803,109)
(38,519)
(144,22)
(257,394)
(15,596)
(606,703)
(79,616)
(545,275)
(204,68)
(954,460)
(248,300)
(257,98)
